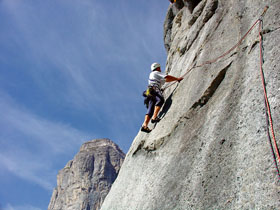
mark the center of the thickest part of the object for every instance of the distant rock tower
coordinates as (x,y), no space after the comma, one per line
(86,180)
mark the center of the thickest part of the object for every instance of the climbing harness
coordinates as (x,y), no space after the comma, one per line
(274,146)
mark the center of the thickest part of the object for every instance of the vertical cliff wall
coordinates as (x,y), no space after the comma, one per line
(86,180)
(210,150)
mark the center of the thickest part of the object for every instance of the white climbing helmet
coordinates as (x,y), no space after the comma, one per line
(154,66)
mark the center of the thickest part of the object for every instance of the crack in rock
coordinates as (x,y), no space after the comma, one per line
(196,13)
(212,88)
(139,147)
(153,146)
(192,4)
(156,144)
(208,12)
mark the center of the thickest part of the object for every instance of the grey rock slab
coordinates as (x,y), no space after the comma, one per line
(210,150)
(86,180)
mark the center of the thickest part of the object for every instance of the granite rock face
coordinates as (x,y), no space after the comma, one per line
(86,180)
(210,150)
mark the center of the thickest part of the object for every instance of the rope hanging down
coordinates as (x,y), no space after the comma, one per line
(268,111)
(267,106)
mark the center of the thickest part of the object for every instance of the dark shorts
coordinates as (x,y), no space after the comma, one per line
(156,100)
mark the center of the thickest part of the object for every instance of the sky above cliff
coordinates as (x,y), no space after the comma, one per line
(71,71)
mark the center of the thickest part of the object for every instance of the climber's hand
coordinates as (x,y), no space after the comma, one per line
(180,79)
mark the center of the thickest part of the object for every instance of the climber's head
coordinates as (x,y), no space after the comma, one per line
(155,67)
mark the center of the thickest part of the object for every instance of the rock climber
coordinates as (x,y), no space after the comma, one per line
(154,95)
(172,1)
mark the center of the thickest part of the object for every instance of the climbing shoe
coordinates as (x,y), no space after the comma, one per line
(145,129)
(155,120)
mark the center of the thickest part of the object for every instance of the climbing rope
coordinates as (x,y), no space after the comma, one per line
(275,150)
(219,57)
(267,106)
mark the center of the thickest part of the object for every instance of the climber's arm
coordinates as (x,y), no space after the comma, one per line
(170,78)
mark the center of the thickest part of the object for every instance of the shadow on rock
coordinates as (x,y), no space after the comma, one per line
(167,104)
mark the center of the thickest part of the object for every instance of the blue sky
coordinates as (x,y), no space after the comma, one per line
(70,71)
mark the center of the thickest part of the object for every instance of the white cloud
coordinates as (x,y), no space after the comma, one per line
(85,54)
(78,47)
(28,168)
(57,45)
(24,207)
(30,145)
(56,136)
